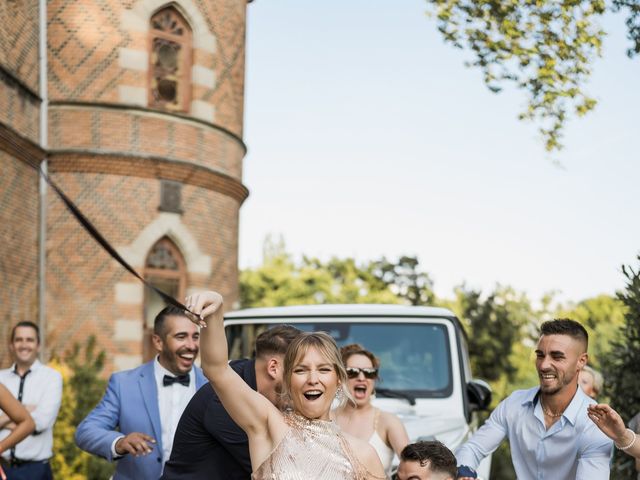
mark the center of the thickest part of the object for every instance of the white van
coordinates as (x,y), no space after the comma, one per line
(425,377)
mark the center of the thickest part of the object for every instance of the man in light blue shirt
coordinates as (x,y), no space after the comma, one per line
(549,432)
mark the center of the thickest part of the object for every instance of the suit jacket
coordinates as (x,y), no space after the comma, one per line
(131,405)
(208,444)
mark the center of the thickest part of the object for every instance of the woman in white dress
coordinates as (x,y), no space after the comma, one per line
(383,430)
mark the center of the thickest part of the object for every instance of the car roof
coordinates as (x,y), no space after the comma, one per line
(341,310)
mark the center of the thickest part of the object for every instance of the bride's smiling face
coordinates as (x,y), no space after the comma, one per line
(313,384)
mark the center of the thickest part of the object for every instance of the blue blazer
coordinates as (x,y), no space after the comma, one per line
(131,405)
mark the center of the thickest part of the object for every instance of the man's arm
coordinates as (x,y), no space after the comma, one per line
(485,440)
(46,411)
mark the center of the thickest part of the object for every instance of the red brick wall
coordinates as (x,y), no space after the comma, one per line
(18,247)
(81,277)
(19,41)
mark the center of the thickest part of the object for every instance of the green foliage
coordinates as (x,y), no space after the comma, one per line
(280,281)
(603,317)
(545,47)
(405,279)
(632,21)
(621,366)
(83,389)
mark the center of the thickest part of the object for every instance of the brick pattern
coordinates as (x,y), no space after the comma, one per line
(18,109)
(81,277)
(86,44)
(18,246)
(145,133)
(19,41)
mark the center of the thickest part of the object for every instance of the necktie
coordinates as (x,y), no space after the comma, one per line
(12,453)
(168,380)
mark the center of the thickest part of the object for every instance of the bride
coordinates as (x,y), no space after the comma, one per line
(302,443)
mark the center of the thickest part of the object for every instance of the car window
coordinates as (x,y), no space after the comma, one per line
(414,357)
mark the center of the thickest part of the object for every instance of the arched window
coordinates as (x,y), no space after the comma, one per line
(170,61)
(165,269)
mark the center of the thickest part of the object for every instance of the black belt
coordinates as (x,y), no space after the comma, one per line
(16,462)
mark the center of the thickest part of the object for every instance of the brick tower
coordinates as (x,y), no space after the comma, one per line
(140,122)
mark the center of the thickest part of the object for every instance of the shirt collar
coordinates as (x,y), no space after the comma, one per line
(34,366)
(572,410)
(159,372)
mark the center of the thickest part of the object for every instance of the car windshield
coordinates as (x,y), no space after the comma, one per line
(414,357)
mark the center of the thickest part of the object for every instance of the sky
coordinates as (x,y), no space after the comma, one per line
(367,137)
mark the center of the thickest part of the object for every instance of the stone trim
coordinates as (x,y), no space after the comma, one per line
(167,225)
(137,19)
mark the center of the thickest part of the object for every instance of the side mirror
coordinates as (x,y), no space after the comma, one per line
(479,394)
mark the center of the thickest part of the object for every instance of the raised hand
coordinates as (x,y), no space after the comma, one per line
(609,421)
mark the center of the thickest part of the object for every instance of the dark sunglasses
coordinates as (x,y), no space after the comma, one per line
(370,373)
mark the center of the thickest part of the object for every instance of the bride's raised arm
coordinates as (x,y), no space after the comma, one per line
(248,408)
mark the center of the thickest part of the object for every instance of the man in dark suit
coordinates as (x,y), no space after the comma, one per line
(145,404)
(208,444)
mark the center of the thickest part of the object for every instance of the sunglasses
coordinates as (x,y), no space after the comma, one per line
(370,373)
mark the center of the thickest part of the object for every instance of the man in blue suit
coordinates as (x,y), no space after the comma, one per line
(135,421)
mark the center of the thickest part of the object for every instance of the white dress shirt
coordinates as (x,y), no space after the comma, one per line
(43,388)
(573,448)
(172,400)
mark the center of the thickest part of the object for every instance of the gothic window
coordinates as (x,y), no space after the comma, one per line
(170,61)
(165,269)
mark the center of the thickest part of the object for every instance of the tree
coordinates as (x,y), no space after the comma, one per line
(280,281)
(620,366)
(83,388)
(546,47)
(405,279)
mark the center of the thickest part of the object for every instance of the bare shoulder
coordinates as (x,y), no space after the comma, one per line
(389,420)
(366,455)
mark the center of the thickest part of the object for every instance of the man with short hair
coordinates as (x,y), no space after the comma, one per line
(427,460)
(39,388)
(208,444)
(136,419)
(549,432)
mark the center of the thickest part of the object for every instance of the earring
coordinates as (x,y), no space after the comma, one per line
(339,394)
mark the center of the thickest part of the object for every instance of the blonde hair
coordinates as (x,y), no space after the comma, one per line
(328,348)
(598,379)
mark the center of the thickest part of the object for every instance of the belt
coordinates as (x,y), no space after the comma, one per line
(16,462)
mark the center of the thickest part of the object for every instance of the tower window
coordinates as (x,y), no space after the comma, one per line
(170,61)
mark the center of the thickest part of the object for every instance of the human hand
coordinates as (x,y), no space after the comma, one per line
(609,421)
(136,444)
(203,304)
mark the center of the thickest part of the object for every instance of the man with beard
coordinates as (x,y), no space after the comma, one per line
(208,444)
(136,419)
(549,432)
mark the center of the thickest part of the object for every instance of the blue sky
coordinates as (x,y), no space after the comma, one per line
(368,137)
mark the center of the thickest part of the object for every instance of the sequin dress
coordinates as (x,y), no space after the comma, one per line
(310,450)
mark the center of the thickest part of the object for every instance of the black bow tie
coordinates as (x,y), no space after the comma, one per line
(181,379)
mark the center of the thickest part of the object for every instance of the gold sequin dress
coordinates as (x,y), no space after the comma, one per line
(312,450)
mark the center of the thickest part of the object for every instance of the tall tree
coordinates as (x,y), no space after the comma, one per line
(621,366)
(405,279)
(545,47)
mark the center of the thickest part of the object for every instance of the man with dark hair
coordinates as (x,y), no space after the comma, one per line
(428,460)
(208,443)
(39,388)
(549,432)
(136,419)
